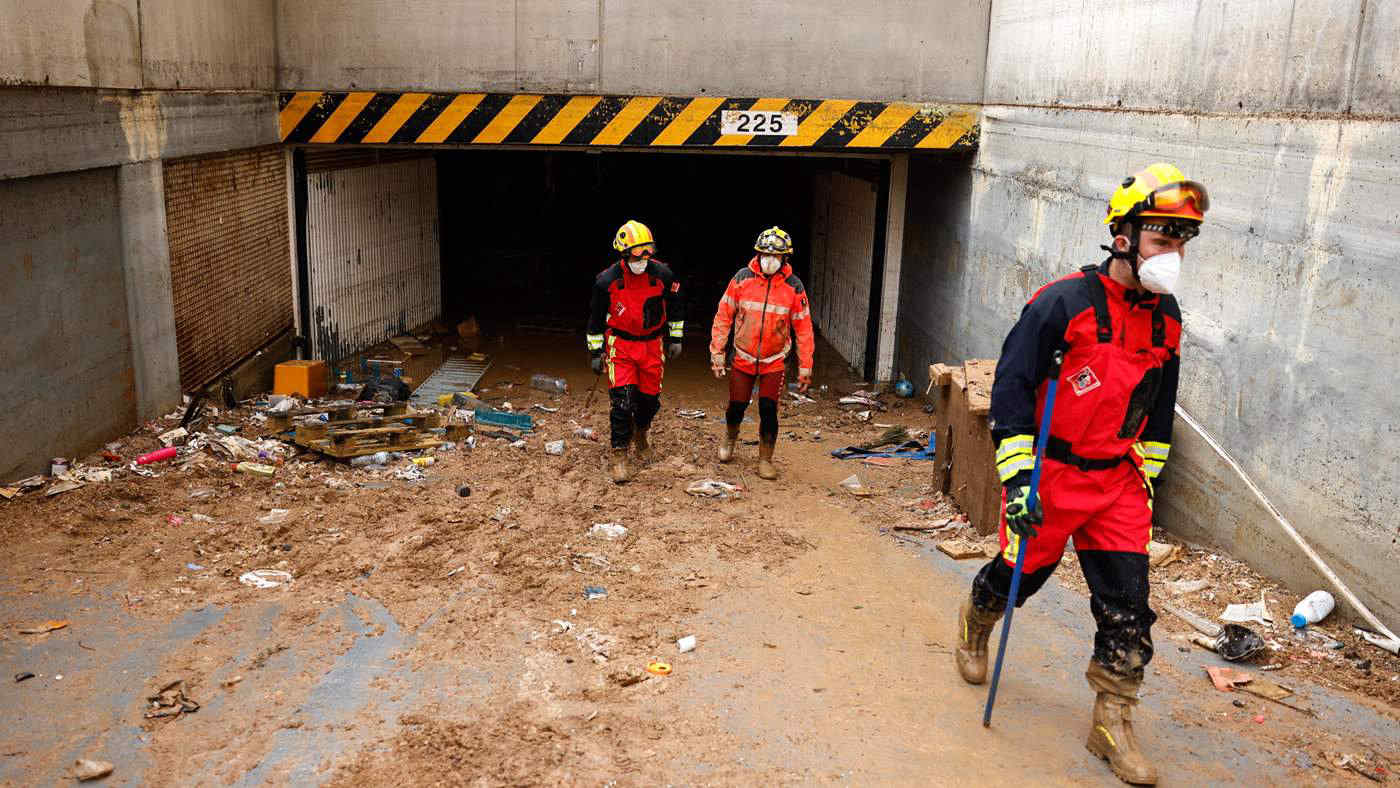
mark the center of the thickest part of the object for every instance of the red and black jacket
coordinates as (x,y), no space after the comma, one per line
(1118,380)
(637,307)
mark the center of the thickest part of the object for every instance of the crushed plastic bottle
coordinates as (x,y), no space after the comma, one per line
(378,458)
(550,383)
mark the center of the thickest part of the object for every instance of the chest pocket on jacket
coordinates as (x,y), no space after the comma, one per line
(652,310)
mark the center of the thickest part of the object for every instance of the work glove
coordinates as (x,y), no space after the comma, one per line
(717,365)
(1020,518)
(673,350)
(596,363)
(804,382)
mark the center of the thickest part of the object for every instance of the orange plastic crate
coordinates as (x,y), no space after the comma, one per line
(303,378)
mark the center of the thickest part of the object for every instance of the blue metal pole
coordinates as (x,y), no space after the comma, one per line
(1033,500)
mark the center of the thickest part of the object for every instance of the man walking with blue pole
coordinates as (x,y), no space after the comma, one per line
(1119,330)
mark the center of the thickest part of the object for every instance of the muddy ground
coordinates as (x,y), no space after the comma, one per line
(430,638)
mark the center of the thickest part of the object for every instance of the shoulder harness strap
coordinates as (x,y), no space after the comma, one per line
(1159,325)
(1098,298)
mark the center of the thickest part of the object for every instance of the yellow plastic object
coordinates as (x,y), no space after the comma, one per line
(304,378)
(659,668)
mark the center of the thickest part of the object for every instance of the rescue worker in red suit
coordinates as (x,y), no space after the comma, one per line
(1119,328)
(636,306)
(766,305)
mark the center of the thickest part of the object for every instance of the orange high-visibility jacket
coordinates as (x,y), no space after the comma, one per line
(765,311)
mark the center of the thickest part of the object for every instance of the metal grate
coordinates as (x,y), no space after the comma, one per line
(230,260)
(456,374)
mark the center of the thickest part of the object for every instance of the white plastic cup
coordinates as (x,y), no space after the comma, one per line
(1313,608)
(686,643)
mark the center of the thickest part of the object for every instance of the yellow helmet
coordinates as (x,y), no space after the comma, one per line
(631,234)
(773,241)
(1160,191)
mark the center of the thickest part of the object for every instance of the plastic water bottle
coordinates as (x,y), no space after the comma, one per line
(378,458)
(1314,607)
(550,383)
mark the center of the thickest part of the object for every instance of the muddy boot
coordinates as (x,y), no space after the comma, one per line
(639,443)
(975,626)
(765,460)
(619,465)
(1112,737)
(731,437)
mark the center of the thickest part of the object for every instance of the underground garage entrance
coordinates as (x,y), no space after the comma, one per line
(390,239)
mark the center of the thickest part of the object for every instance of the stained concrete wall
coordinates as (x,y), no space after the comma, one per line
(1290,295)
(68,385)
(188,44)
(209,44)
(888,49)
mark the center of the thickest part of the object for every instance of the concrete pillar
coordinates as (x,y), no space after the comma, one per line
(894,251)
(150,303)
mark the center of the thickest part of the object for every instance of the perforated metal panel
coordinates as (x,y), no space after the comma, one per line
(230,261)
(372,254)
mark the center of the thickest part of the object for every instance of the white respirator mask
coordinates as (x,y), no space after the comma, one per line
(1160,272)
(637,267)
(769,263)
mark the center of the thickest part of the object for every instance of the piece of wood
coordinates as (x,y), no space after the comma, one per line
(960,549)
(940,374)
(979,374)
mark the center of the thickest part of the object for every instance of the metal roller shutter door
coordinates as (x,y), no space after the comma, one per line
(230,258)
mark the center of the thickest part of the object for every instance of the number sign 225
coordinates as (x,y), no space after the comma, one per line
(742,121)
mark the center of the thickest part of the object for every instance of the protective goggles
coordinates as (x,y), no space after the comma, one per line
(1182,230)
(1186,199)
(643,251)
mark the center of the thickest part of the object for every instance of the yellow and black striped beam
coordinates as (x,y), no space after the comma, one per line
(364,118)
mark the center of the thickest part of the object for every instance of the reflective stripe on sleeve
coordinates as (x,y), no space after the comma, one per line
(677,328)
(595,341)
(1152,468)
(1013,466)
(1155,450)
(1015,444)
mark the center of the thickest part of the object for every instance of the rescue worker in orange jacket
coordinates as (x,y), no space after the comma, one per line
(1119,328)
(766,305)
(636,306)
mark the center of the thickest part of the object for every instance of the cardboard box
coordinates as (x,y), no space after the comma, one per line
(304,378)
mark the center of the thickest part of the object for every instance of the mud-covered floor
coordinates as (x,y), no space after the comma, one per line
(430,638)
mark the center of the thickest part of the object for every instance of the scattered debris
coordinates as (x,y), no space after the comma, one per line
(1160,554)
(23,676)
(712,488)
(1198,623)
(1359,764)
(693,415)
(659,668)
(608,530)
(159,455)
(1179,587)
(1226,679)
(231,682)
(960,549)
(58,488)
(459,569)
(1238,643)
(169,438)
(84,769)
(275,516)
(853,485)
(545,408)
(47,626)
(265,578)
(626,677)
(937,525)
(1257,612)
(194,567)
(464,490)
(555,448)
(686,644)
(595,592)
(170,701)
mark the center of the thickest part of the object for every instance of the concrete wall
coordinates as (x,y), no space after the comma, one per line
(1287,113)
(68,384)
(888,49)
(189,44)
